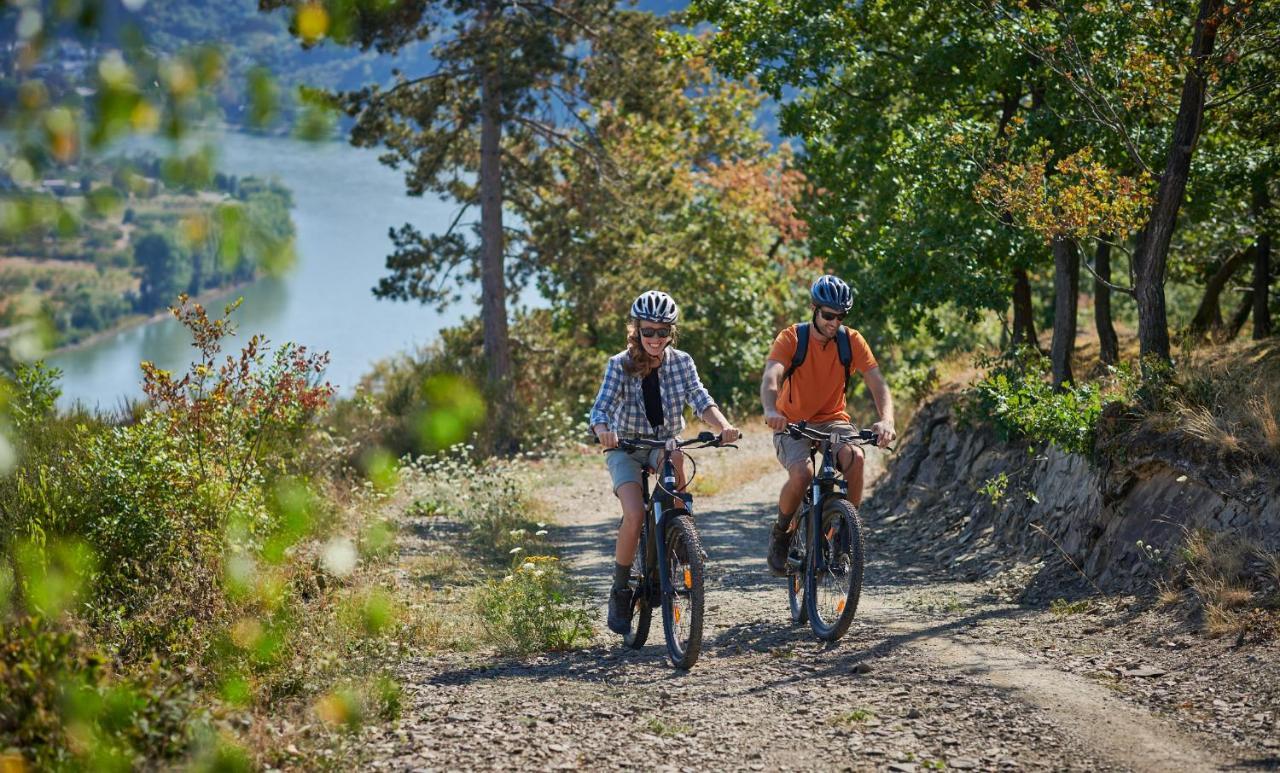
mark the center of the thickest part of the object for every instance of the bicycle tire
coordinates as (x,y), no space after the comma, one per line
(797,565)
(841,580)
(641,608)
(682,622)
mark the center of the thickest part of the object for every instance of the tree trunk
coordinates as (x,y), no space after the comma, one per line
(1108,344)
(1208,316)
(1066,295)
(1153,243)
(1024,320)
(1241,315)
(493,290)
(1261,261)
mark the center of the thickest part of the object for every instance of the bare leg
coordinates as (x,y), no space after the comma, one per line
(851,460)
(799,477)
(632,499)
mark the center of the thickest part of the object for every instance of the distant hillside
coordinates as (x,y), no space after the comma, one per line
(249,38)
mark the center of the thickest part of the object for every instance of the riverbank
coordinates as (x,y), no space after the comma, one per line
(132,321)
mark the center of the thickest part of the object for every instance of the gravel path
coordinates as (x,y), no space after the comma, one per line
(932,674)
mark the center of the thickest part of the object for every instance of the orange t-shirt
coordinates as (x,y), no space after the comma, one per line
(815,391)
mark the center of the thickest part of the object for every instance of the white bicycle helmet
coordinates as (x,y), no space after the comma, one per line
(654,306)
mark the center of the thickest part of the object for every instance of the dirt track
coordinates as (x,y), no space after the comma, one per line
(930,675)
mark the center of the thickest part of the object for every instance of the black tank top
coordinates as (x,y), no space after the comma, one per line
(652,399)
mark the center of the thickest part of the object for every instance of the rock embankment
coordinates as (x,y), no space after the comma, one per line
(976,504)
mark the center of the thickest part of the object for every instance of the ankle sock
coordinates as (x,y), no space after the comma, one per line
(621,575)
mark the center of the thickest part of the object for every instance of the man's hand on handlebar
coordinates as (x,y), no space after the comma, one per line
(884,431)
(608,439)
(776,421)
(729,434)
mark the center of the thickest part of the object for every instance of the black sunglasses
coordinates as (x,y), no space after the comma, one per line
(655,332)
(830,315)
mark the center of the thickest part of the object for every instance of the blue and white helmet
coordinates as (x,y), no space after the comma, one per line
(654,306)
(831,292)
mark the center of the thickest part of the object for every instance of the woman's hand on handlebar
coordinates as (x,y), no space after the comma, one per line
(608,439)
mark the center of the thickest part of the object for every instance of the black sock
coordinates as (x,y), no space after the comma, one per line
(784,519)
(621,575)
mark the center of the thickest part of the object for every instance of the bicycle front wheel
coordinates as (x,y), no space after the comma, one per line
(641,608)
(797,564)
(682,608)
(834,581)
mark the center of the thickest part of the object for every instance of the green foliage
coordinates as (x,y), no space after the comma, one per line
(166,271)
(491,496)
(995,488)
(1064,608)
(61,705)
(941,125)
(534,608)
(1018,398)
(693,201)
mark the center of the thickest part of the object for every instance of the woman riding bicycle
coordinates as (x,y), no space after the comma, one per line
(643,395)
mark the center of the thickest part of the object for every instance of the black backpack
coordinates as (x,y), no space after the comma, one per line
(802,349)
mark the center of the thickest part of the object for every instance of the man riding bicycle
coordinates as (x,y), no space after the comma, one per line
(805,379)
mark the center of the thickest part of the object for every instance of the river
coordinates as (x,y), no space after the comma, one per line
(345,202)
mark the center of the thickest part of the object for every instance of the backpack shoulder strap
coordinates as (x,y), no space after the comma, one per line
(802,349)
(846,353)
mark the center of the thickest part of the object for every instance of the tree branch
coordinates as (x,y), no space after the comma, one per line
(1085,262)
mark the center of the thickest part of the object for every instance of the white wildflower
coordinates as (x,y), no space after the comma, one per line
(515,550)
(339,556)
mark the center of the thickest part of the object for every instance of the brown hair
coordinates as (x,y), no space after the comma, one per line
(638,362)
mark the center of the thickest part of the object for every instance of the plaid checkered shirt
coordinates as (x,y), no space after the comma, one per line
(619,404)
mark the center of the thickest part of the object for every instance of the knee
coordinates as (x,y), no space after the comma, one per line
(800,475)
(853,461)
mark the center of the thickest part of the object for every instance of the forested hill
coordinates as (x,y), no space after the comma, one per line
(248,38)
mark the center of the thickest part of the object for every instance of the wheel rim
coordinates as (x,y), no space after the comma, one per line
(682,579)
(835,575)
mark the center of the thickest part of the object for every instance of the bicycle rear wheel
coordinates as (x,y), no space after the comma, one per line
(682,609)
(797,564)
(834,581)
(641,607)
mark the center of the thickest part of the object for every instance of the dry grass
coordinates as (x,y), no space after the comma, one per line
(1234,585)
(1230,397)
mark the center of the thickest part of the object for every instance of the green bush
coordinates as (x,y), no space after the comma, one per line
(63,709)
(534,608)
(1017,397)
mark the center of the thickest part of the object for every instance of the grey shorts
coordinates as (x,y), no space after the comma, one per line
(792,451)
(625,466)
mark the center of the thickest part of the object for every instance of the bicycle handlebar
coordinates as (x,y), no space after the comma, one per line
(800,430)
(703,440)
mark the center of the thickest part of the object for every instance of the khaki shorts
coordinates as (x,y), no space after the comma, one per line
(792,451)
(625,466)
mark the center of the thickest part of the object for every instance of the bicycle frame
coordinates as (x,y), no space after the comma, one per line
(826,484)
(657,504)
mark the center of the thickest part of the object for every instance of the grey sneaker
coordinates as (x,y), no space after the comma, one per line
(620,610)
(779,546)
